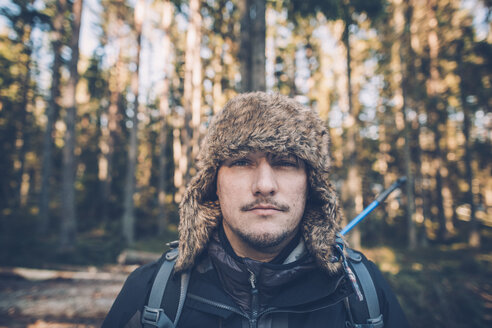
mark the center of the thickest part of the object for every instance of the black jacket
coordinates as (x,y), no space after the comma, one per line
(313,299)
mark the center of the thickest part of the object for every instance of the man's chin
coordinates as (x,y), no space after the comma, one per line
(266,241)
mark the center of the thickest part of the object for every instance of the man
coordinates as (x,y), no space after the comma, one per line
(258,230)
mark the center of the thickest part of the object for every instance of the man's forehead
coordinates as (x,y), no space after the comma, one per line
(270,156)
(261,154)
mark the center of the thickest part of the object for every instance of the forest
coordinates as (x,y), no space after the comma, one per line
(103,104)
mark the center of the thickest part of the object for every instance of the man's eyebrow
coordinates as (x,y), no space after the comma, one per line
(232,159)
(283,156)
(286,157)
(236,157)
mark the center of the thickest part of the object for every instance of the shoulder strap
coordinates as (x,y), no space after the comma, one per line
(375,319)
(153,315)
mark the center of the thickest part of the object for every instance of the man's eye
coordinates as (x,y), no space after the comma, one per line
(286,163)
(240,162)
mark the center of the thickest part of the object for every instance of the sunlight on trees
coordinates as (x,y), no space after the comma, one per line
(106,140)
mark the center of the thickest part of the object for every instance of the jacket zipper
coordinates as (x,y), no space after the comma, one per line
(273,310)
(217,304)
(255,306)
(253,320)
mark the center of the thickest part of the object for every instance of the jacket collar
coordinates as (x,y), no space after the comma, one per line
(316,289)
(296,282)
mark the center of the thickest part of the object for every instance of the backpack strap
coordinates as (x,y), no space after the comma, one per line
(375,319)
(153,315)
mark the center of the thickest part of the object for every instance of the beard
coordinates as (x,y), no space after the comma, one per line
(265,241)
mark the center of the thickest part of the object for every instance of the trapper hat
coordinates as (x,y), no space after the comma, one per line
(261,122)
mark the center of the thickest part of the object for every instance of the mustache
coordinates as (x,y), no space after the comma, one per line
(265,201)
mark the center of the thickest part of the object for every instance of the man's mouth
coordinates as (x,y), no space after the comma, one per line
(265,208)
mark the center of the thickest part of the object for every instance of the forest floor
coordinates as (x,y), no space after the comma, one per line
(443,286)
(74,297)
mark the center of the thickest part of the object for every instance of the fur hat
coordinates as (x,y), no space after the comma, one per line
(261,122)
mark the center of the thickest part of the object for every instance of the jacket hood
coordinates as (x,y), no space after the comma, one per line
(261,122)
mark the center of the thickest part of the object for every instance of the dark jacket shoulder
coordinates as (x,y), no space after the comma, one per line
(133,296)
(393,314)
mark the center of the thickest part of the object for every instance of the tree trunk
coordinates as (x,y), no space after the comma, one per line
(196,93)
(474,234)
(409,188)
(217,65)
(405,52)
(21,130)
(69,219)
(426,186)
(167,14)
(383,156)
(252,45)
(474,237)
(128,220)
(51,113)
(436,118)
(353,200)
(447,193)
(192,90)
(179,160)
(110,131)
(442,231)
(421,187)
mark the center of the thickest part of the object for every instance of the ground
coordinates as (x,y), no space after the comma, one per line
(79,297)
(438,287)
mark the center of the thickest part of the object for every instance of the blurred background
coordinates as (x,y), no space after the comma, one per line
(103,104)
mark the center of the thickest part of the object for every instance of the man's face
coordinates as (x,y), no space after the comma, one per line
(262,198)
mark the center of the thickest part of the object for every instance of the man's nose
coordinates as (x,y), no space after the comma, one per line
(265,182)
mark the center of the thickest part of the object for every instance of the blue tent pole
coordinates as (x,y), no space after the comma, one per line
(373,205)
